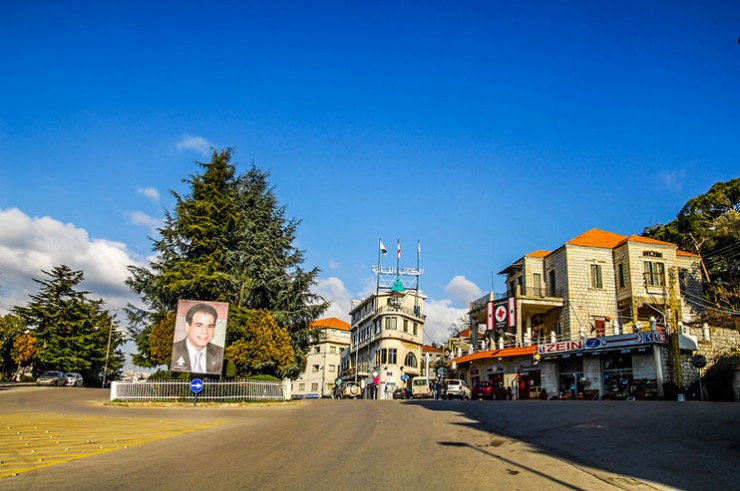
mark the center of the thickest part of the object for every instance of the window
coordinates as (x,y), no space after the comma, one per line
(381,356)
(620,275)
(537,283)
(553,285)
(654,273)
(314,387)
(596,279)
(315,368)
(332,368)
(405,325)
(317,349)
(390,323)
(332,349)
(410,360)
(392,354)
(302,386)
(416,329)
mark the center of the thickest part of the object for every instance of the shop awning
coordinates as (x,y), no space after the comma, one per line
(497,353)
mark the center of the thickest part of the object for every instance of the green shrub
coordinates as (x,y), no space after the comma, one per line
(719,377)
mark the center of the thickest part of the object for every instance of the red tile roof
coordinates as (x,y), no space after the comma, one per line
(430,349)
(332,323)
(497,353)
(538,253)
(686,254)
(646,240)
(597,238)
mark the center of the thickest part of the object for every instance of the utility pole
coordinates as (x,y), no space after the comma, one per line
(107,351)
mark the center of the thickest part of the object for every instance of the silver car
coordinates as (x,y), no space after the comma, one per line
(74,379)
(456,389)
(52,377)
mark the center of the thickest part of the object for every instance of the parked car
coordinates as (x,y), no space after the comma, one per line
(351,390)
(486,389)
(402,393)
(421,388)
(52,377)
(74,379)
(455,388)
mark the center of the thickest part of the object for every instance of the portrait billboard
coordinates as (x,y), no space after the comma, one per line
(200,336)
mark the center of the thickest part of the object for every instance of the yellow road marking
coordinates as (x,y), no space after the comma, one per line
(31,441)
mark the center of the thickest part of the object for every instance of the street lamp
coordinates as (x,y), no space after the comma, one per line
(107,351)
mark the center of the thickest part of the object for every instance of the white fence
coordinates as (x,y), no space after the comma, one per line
(236,391)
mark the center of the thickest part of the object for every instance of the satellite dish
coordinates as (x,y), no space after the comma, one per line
(699,361)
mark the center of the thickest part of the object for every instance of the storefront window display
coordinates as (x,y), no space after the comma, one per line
(617,370)
(571,377)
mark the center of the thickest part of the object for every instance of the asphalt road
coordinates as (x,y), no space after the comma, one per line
(65,438)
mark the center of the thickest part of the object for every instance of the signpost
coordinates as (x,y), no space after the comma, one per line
(699,361)
(196,385)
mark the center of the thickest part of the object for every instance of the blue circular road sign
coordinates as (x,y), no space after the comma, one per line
(196,385)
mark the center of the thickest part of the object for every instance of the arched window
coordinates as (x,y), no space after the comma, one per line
(410,360)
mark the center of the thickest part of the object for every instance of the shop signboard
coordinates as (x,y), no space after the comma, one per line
(559,347)
(625,340)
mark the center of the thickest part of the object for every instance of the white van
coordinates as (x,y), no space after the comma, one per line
(421,388)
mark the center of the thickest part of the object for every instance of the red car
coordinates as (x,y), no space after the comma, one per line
(488,390)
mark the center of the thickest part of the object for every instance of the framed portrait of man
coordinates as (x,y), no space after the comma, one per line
(200,335)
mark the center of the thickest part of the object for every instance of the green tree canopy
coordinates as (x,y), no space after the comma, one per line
(709,225)
(227,240)
(11,326)
(72,330)
(259,345)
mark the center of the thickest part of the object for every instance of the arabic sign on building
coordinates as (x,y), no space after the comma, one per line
(605,342)
(625,340)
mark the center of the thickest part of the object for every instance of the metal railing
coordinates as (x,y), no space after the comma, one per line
(236,391)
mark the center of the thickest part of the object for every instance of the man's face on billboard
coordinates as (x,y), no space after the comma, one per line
(201,329)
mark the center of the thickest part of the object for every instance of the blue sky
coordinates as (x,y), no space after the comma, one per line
(485,130)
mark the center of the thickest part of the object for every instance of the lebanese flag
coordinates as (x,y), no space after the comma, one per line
(399,249)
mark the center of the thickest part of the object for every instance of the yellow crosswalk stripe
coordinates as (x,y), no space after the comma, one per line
(31,441)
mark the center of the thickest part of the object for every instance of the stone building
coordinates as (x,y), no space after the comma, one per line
(387,329)
(590,319)
(323,362)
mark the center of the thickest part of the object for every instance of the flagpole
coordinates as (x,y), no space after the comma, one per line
(398,260)
(418,271)
(377,275)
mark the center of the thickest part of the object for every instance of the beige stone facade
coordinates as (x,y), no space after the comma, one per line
(324,363)
(598,312)
(387,330)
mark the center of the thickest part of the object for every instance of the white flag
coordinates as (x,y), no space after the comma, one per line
(383,249)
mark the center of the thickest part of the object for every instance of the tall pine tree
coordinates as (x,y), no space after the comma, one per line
(72,330)
(228,240)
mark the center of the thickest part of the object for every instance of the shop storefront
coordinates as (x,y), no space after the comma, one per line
(626,366)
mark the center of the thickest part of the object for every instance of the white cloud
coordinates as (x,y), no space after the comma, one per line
(333,291)
(141,218)
(195,143)
(674,180)
(149,192)
(441,316)
(333,265)
(462,290)
(30,245)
